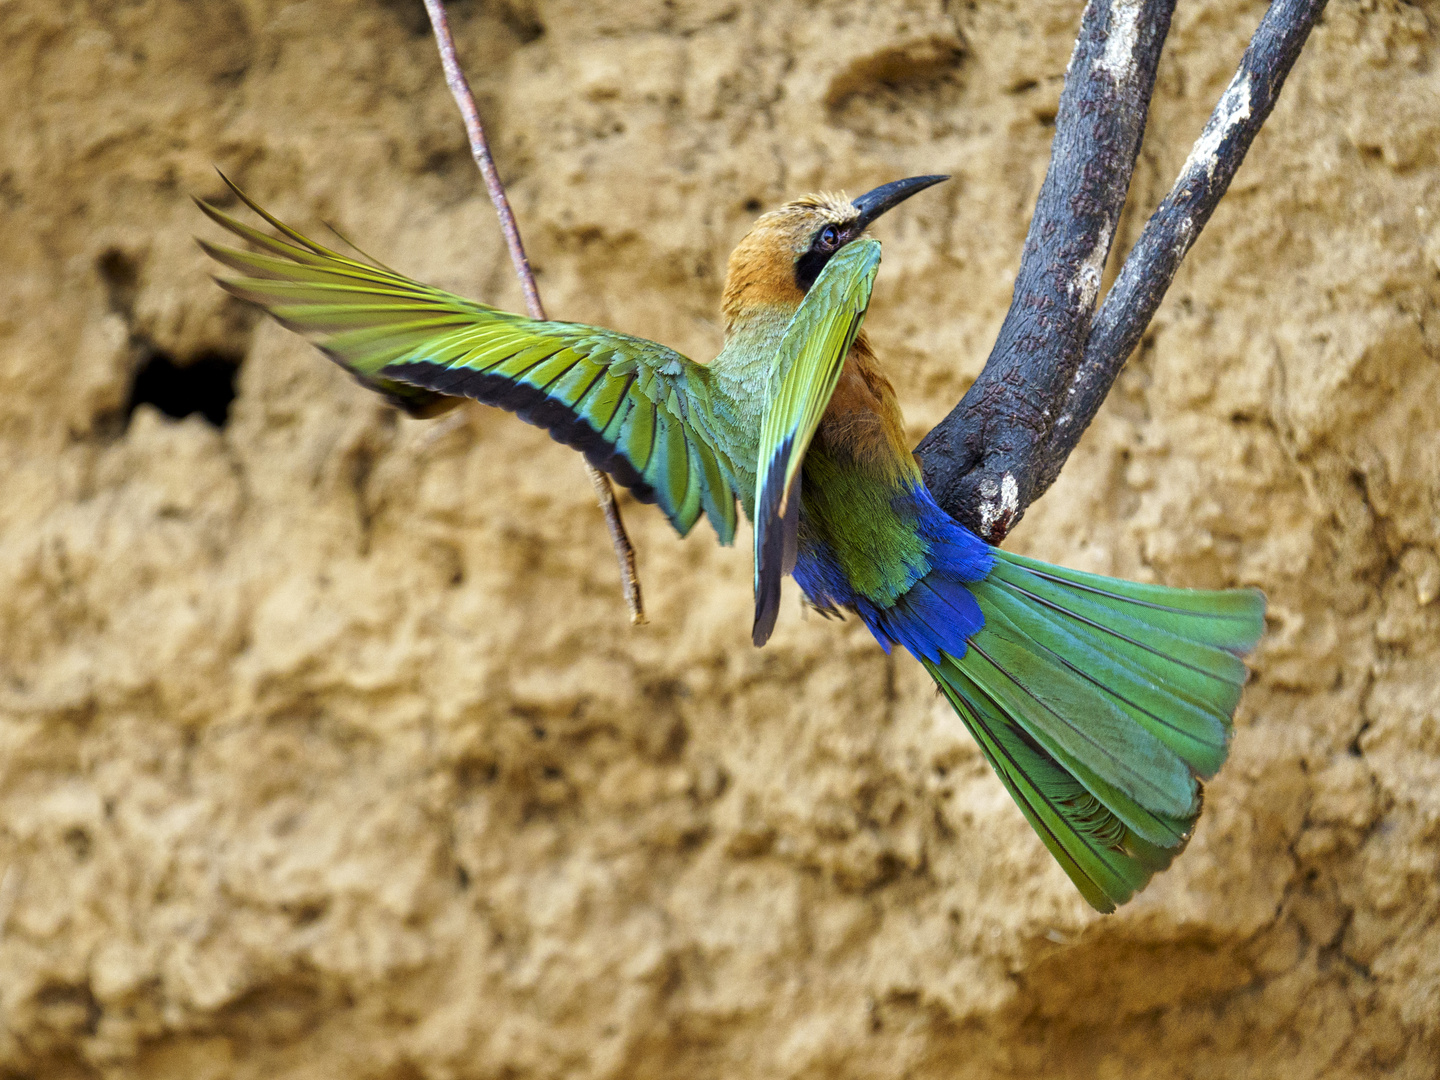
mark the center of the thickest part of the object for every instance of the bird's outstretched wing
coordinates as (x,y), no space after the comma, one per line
(635,409)
(807,368)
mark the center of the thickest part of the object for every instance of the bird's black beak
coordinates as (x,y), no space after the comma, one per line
(874,203)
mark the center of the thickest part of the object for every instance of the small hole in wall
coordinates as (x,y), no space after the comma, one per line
(121,276)
(205,385)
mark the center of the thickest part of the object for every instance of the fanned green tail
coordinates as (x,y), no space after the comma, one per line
(1100,704)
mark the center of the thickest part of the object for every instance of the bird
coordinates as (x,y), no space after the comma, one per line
(1102,705)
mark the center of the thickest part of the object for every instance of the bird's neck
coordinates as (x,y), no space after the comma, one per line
(740,375)
(753,333)
(862,428)
(752,341)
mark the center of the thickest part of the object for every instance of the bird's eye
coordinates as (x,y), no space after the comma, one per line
(829,237)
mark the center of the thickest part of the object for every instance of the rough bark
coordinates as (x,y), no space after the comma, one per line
(1005,442)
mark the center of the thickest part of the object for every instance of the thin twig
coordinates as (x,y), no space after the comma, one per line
(480,150)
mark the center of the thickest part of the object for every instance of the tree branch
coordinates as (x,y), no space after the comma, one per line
(1004,443)
(975,460)
(480,150)
(1168,235)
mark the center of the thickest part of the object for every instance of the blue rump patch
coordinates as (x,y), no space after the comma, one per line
(937,613)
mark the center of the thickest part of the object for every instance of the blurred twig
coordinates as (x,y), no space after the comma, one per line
(480,150)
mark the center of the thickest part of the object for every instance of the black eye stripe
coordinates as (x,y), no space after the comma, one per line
(823,245)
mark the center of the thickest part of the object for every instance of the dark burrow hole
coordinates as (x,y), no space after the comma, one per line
(205,385)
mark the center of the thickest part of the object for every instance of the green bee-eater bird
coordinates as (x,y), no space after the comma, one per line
(1099,703)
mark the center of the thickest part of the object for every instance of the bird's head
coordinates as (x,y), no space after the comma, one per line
(784,252)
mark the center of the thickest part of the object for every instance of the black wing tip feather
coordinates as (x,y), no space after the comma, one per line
(775,560)
(532,406)
(766,611)
(414,402)
(775,540)
(767,593)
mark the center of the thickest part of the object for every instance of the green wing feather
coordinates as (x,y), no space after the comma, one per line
(636,409)
(807,368)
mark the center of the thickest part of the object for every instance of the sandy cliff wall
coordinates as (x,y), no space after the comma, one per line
(325,747)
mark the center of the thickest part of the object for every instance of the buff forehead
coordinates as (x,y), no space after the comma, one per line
(797,221)
(828,206)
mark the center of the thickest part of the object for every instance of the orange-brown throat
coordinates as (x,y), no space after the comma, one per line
(863,422)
